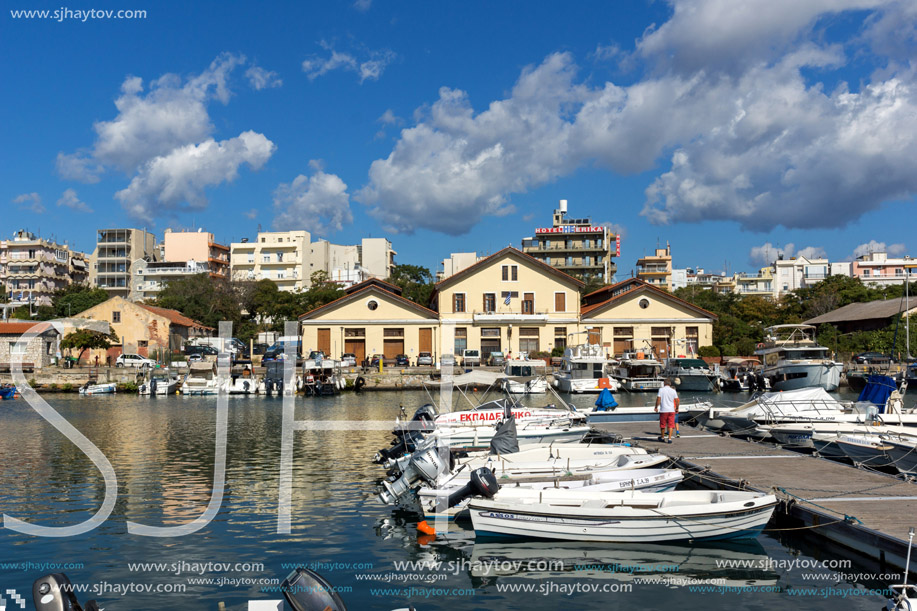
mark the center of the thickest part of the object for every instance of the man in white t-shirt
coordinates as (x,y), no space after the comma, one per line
(667,405)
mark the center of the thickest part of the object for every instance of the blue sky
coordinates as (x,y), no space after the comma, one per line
(732,130)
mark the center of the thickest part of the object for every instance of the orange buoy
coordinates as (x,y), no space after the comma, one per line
(425,539)
(426,528)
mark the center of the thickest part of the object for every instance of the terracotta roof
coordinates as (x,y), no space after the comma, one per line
(515,251)
(370,288)
(18,328)
(641,286)
(388,286)
(174,316)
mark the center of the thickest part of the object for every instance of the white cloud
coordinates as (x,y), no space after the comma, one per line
(70,200)
(259,78)
(30,202)
(176,181)
(369,67)
(152,121)
(893,250)
(363,5)
(318,203)
(390,118)
(767,253)
(251,214)
(616,229)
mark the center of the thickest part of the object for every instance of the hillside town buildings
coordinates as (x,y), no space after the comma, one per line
(32,268)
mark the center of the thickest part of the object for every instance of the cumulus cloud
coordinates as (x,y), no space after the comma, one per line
(176,181)
(30,202)
(251,214)
(259,78)
(318,203)
(616,229)
(363,5)
(730,104)
(369,66)
(767,253)
(893,250)
(152,121)
(70,200)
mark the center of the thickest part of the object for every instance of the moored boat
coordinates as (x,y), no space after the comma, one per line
(793,359)
(583,370)
(98,389)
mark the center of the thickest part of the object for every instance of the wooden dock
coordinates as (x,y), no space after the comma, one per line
(867,511)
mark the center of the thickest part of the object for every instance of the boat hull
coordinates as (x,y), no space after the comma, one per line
(586,385)
(621,524)
(804,375)
(693,383)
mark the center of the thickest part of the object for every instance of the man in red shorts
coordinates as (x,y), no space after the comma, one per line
(667,406)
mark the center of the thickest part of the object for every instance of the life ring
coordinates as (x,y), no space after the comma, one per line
(760,345)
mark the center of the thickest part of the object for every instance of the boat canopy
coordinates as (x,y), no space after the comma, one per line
(689,363)
(476,376)
(878,389)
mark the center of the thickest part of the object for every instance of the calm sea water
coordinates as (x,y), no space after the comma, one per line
(162,451)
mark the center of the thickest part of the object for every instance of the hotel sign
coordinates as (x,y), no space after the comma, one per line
(569,229)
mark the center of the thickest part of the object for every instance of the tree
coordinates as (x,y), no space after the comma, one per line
(73,299)
(85,339)
(202,298)
(322,291)
(416,283)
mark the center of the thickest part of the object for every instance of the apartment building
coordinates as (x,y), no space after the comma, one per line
(184,253)
(32,268)
(281,256)
(798,272)
(761,284)
(878,269)
(456,262)
(113,259)
(290,257)
(575,246)
(656,269)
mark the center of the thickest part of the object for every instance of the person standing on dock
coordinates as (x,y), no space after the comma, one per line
(667,405)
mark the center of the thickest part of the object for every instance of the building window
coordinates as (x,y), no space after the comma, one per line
(142,343)
(18,348)
(265,258)
(505,273)
(354,332)
(560,302)
(372,304)
(490,332)
(393,332)
(490,302)
(691,335)
(458,302)
(560,337)
(510,273)
(116,316)
(528,339)
(461,339)
(644,303)
(528,303)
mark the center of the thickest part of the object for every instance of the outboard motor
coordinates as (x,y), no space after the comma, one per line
(153,384)
(306,590)
(405,444)
(425,464)
(424,420)
(55,593)
(482,482)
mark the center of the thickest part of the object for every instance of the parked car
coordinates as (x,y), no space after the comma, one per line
(872,358)
(196,358)
(348,359)
(496,359)
(202,350)
(134,360)
(448,360)
(374,361)
(424,358)
(402,360)
(260,348)
(470,358)
(317,355)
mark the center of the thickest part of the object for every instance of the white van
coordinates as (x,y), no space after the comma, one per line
(470,358)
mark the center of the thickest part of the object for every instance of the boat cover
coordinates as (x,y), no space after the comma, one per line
(878,388)
(476,376)
(504,440)
(605,401)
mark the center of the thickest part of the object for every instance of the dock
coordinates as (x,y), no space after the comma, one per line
(867,511)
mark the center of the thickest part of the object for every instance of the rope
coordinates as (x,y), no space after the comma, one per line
(847,518)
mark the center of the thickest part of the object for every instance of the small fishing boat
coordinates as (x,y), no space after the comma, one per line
(638,372)
(98,389)
(321,376)
(243,382)
(201,380)
(8,391)
(624,517)
(583,370)
(159,382)
(525,377)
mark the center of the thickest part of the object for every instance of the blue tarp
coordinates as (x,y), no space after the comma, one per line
(606,400)
(878,388)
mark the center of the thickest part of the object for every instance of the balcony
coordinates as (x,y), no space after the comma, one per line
(536,250)
(508,317)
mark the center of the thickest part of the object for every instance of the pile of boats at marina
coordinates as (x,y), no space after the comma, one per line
(876,430)
(550,486)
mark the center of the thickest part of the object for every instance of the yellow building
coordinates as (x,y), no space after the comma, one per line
(372,318)
(509,301)
(657,268)
(632,315)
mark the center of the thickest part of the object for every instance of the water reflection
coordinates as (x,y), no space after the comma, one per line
(162,451)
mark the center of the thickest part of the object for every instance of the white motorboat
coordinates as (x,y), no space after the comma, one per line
(243,382)
(793,359)
(637,372)
(583,370)
(866,450)
(799,434)
(743,375)
(159,382)
(98,389)
(322,377)
(689,374)
(527,433)
(201,380)
(622,517)
(434,501)
(687,413)
(489,413)
(525,377)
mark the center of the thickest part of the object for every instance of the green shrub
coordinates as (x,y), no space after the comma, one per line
(708,351)
(67,387)
(557,351)
(52,386)
(127,387)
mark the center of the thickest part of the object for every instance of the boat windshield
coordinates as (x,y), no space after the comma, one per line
(689,363)
(588,371)
(811,353)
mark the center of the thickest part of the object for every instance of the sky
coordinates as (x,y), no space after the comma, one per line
(734,131)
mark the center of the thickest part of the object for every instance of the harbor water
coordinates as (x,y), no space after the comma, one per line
(162,452)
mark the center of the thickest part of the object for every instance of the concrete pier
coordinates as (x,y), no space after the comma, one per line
(867,511)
